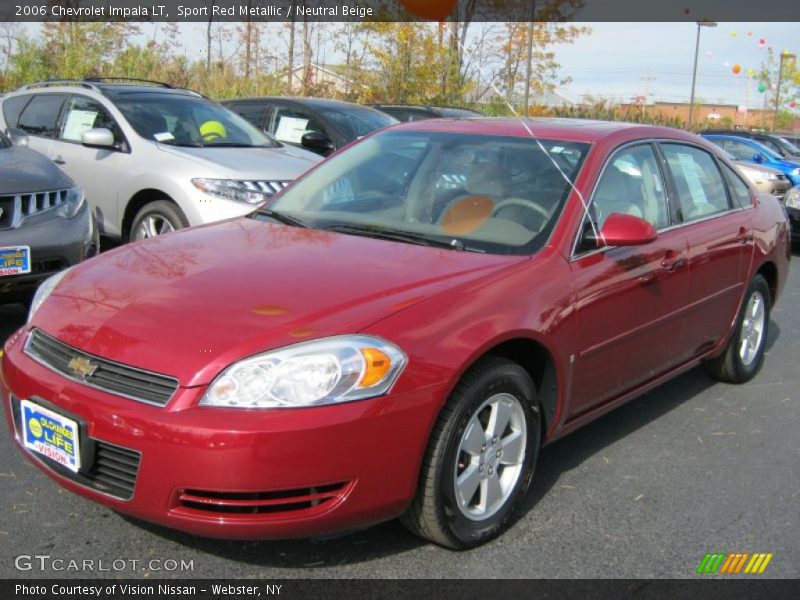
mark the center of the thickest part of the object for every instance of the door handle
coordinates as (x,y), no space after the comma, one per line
(673,261)
(745,236)
(59,161)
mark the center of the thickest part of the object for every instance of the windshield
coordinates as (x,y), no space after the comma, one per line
(787,146)
(483,193)
(357,122)
(181,120)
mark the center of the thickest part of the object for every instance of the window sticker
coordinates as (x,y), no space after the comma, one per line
(164,136)
(291,129)
(78,122)
(690,168)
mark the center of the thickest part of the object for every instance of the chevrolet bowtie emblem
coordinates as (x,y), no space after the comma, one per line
(82,367)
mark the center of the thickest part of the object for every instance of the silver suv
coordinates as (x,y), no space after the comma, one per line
(151,158)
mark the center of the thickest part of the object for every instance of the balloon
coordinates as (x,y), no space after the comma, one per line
(749,34)
(762,87)
(727,64)
(741,109)
(435,10)
(736,69)
(793,104)
(762,41)
(708,54)
(750,72)
(733,33)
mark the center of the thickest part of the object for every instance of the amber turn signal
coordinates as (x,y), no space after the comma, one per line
(377,365)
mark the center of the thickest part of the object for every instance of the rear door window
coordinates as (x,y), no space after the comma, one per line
(740,193)
(699,184)
(40,116)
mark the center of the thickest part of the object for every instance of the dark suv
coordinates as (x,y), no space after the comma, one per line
(45,222)
(776,143)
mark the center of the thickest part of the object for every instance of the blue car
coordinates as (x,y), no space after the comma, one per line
(754,152)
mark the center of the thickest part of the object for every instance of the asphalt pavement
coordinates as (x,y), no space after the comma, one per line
(646,491)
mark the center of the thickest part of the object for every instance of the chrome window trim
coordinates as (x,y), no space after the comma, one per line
(574,255)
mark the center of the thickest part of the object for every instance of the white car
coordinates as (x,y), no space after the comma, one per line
(151,158)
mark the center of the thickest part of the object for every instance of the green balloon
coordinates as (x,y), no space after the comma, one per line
(762,87)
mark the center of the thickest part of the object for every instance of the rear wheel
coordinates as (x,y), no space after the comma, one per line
(157,218)
(480,458)
(744,354)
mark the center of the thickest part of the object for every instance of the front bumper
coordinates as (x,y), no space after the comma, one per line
(56,243)
(238,474)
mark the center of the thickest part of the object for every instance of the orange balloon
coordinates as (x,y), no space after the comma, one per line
(436,10)
(736,69)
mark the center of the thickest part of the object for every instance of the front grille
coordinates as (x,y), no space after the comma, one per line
(263,503)
(122,380)
(265,187)
(15,208)
(112,469)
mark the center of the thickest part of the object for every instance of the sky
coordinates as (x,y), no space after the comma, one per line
(623,60)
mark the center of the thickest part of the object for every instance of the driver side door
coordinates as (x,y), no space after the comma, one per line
(626,298)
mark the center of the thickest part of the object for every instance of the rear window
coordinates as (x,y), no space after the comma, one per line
(41,115)
(12,107)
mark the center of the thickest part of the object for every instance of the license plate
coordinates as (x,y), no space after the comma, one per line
(50,434)
(15,260)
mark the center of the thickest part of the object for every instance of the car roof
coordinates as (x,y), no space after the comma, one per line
(575,130)
(313,102)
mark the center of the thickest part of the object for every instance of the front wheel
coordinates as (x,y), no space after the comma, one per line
(744,354)
(157,218)
(480,458)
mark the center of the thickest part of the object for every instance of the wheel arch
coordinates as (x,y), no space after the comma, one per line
(770,272)
(137,202)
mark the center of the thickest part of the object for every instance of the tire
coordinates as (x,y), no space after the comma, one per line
(737,363)
(156,218)
(440,511)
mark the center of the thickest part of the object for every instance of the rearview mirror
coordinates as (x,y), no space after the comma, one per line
(316,140)
(18,137)
(626,230)
(98,138)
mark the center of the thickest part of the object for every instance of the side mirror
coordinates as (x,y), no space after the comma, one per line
(316,140)
(626,230)
(758,158)
(18,137)
(98,138)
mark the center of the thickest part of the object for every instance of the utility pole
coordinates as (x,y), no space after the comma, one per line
(529,67)
(694,71)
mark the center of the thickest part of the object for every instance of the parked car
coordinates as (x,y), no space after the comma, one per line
(322,126)
(398,332)
(778,143)
(45,224)
(792,202)
(151,158)
(750,151)
(765,179)
(411,112)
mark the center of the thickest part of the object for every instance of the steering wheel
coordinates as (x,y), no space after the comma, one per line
(529,204)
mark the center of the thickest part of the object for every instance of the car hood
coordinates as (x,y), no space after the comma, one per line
(281,164)
(190,303)
(23,170)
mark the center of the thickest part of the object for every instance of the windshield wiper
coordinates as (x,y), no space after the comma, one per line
(233,145)
(282,217)
(394,235)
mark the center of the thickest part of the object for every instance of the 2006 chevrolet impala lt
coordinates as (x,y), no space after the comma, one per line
(397,333)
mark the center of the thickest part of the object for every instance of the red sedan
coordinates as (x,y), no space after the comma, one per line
(399,332)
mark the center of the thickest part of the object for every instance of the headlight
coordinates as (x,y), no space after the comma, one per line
(43,292)
(230,190)
(327,371)
(792,198)
(76,198)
